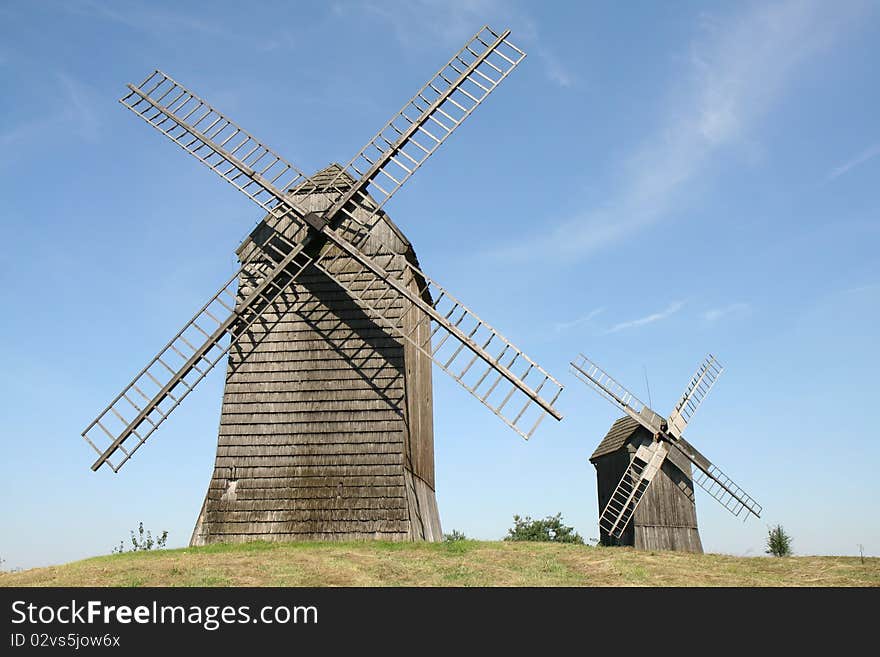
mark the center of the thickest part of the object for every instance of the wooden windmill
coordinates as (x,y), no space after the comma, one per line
(644,449)
(330,327)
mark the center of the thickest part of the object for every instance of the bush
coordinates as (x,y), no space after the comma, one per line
(549,529)
(778,542)
(143,541)
(454,537)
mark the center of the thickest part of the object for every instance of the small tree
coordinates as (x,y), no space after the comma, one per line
(548,529)
(143,541)
(778,542)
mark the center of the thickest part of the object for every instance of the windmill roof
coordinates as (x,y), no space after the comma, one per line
(618,435)
(320,179)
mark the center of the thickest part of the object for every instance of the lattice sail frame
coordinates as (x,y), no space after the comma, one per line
(603,383)
(264,176)
(458,342)
(637,477)
(697,390)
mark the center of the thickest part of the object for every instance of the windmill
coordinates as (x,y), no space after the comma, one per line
(643,448)
(329,328)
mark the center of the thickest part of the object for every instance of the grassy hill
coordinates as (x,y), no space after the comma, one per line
(464,563)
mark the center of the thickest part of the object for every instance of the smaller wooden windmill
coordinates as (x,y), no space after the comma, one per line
(645,448)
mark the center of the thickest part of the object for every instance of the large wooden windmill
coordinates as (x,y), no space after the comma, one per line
(330,327)
(644,467)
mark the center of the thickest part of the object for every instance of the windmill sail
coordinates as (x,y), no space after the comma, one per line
(214,140)
(636,479)
(626,496)
(721,487)
(382,166)
(506,381)
(696,392)
(160,387)
(602,382)
(412,135)
(236,156)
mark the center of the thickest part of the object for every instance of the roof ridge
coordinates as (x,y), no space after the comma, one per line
(618,435)
(319,180)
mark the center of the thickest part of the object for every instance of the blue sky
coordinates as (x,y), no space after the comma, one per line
(653,183)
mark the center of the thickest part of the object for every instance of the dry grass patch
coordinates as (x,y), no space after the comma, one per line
(462,563)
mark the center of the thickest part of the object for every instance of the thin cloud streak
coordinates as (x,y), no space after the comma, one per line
(860,159)
(419,22)
(670,310)
(859,289)
(554,69)
(735,75)
(78,116)
(736,309)
(80,112)
(28,130)
(144,18)
(567,326)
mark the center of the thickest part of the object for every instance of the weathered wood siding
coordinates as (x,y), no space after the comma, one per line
(609,470)
(326,428)
(666,518)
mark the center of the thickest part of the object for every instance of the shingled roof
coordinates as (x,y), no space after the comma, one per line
(617,435)
(344,182)
(320,179)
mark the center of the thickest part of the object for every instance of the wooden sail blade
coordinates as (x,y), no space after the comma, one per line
(633,485)
(711,479)
(147,401)
(380,168)
(602,382)
(412,135)
(700,385)
(264,176)
(216,141)
(477,356)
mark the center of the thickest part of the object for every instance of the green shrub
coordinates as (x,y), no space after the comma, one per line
(548,529)
(454,537)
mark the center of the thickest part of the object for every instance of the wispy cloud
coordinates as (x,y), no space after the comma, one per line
(555,69)
(79,109)
(25,131)
(580,321)
(148,18)
(735,73)
(670,310)
(418,24)
(77,115)
(861,158)
(731,310)
(860,289)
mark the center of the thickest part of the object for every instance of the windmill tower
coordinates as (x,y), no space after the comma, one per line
(328,329)
(645,469)
(326,422)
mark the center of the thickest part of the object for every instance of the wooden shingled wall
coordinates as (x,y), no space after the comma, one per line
(326,427)
(666,518)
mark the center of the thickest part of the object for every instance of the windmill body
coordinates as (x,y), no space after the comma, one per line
(329,330)
(644,467)
(326,428)
(666,518)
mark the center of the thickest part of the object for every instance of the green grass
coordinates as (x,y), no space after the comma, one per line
(461,563)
